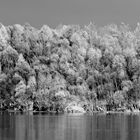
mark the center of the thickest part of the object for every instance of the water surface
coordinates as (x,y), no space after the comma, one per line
(69,127)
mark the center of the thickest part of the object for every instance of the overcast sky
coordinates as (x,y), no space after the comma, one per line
(55,12)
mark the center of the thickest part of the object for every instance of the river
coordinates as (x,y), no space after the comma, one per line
(41,126)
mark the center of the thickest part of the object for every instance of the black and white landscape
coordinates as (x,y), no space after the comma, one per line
(69,70)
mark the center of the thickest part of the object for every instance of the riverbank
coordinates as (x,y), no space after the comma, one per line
(73,109)
(74,113)
(71,105)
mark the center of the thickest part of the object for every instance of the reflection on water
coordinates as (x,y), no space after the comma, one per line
(69,127)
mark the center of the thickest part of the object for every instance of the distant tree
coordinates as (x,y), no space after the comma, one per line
(23,68)
(8,58)
(4,37)
(20,89)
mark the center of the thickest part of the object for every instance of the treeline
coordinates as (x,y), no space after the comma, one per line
(53,69)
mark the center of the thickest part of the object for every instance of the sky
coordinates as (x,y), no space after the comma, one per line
(82,12)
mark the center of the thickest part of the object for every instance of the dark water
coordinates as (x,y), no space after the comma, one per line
(69,127)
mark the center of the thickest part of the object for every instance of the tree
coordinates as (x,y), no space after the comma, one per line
(4,37)
(23,68)
(18,40)
(20,89)
(8,58)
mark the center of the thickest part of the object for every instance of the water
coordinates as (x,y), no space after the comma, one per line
(69,127)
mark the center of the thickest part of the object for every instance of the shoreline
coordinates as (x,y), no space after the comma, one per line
(86,113)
